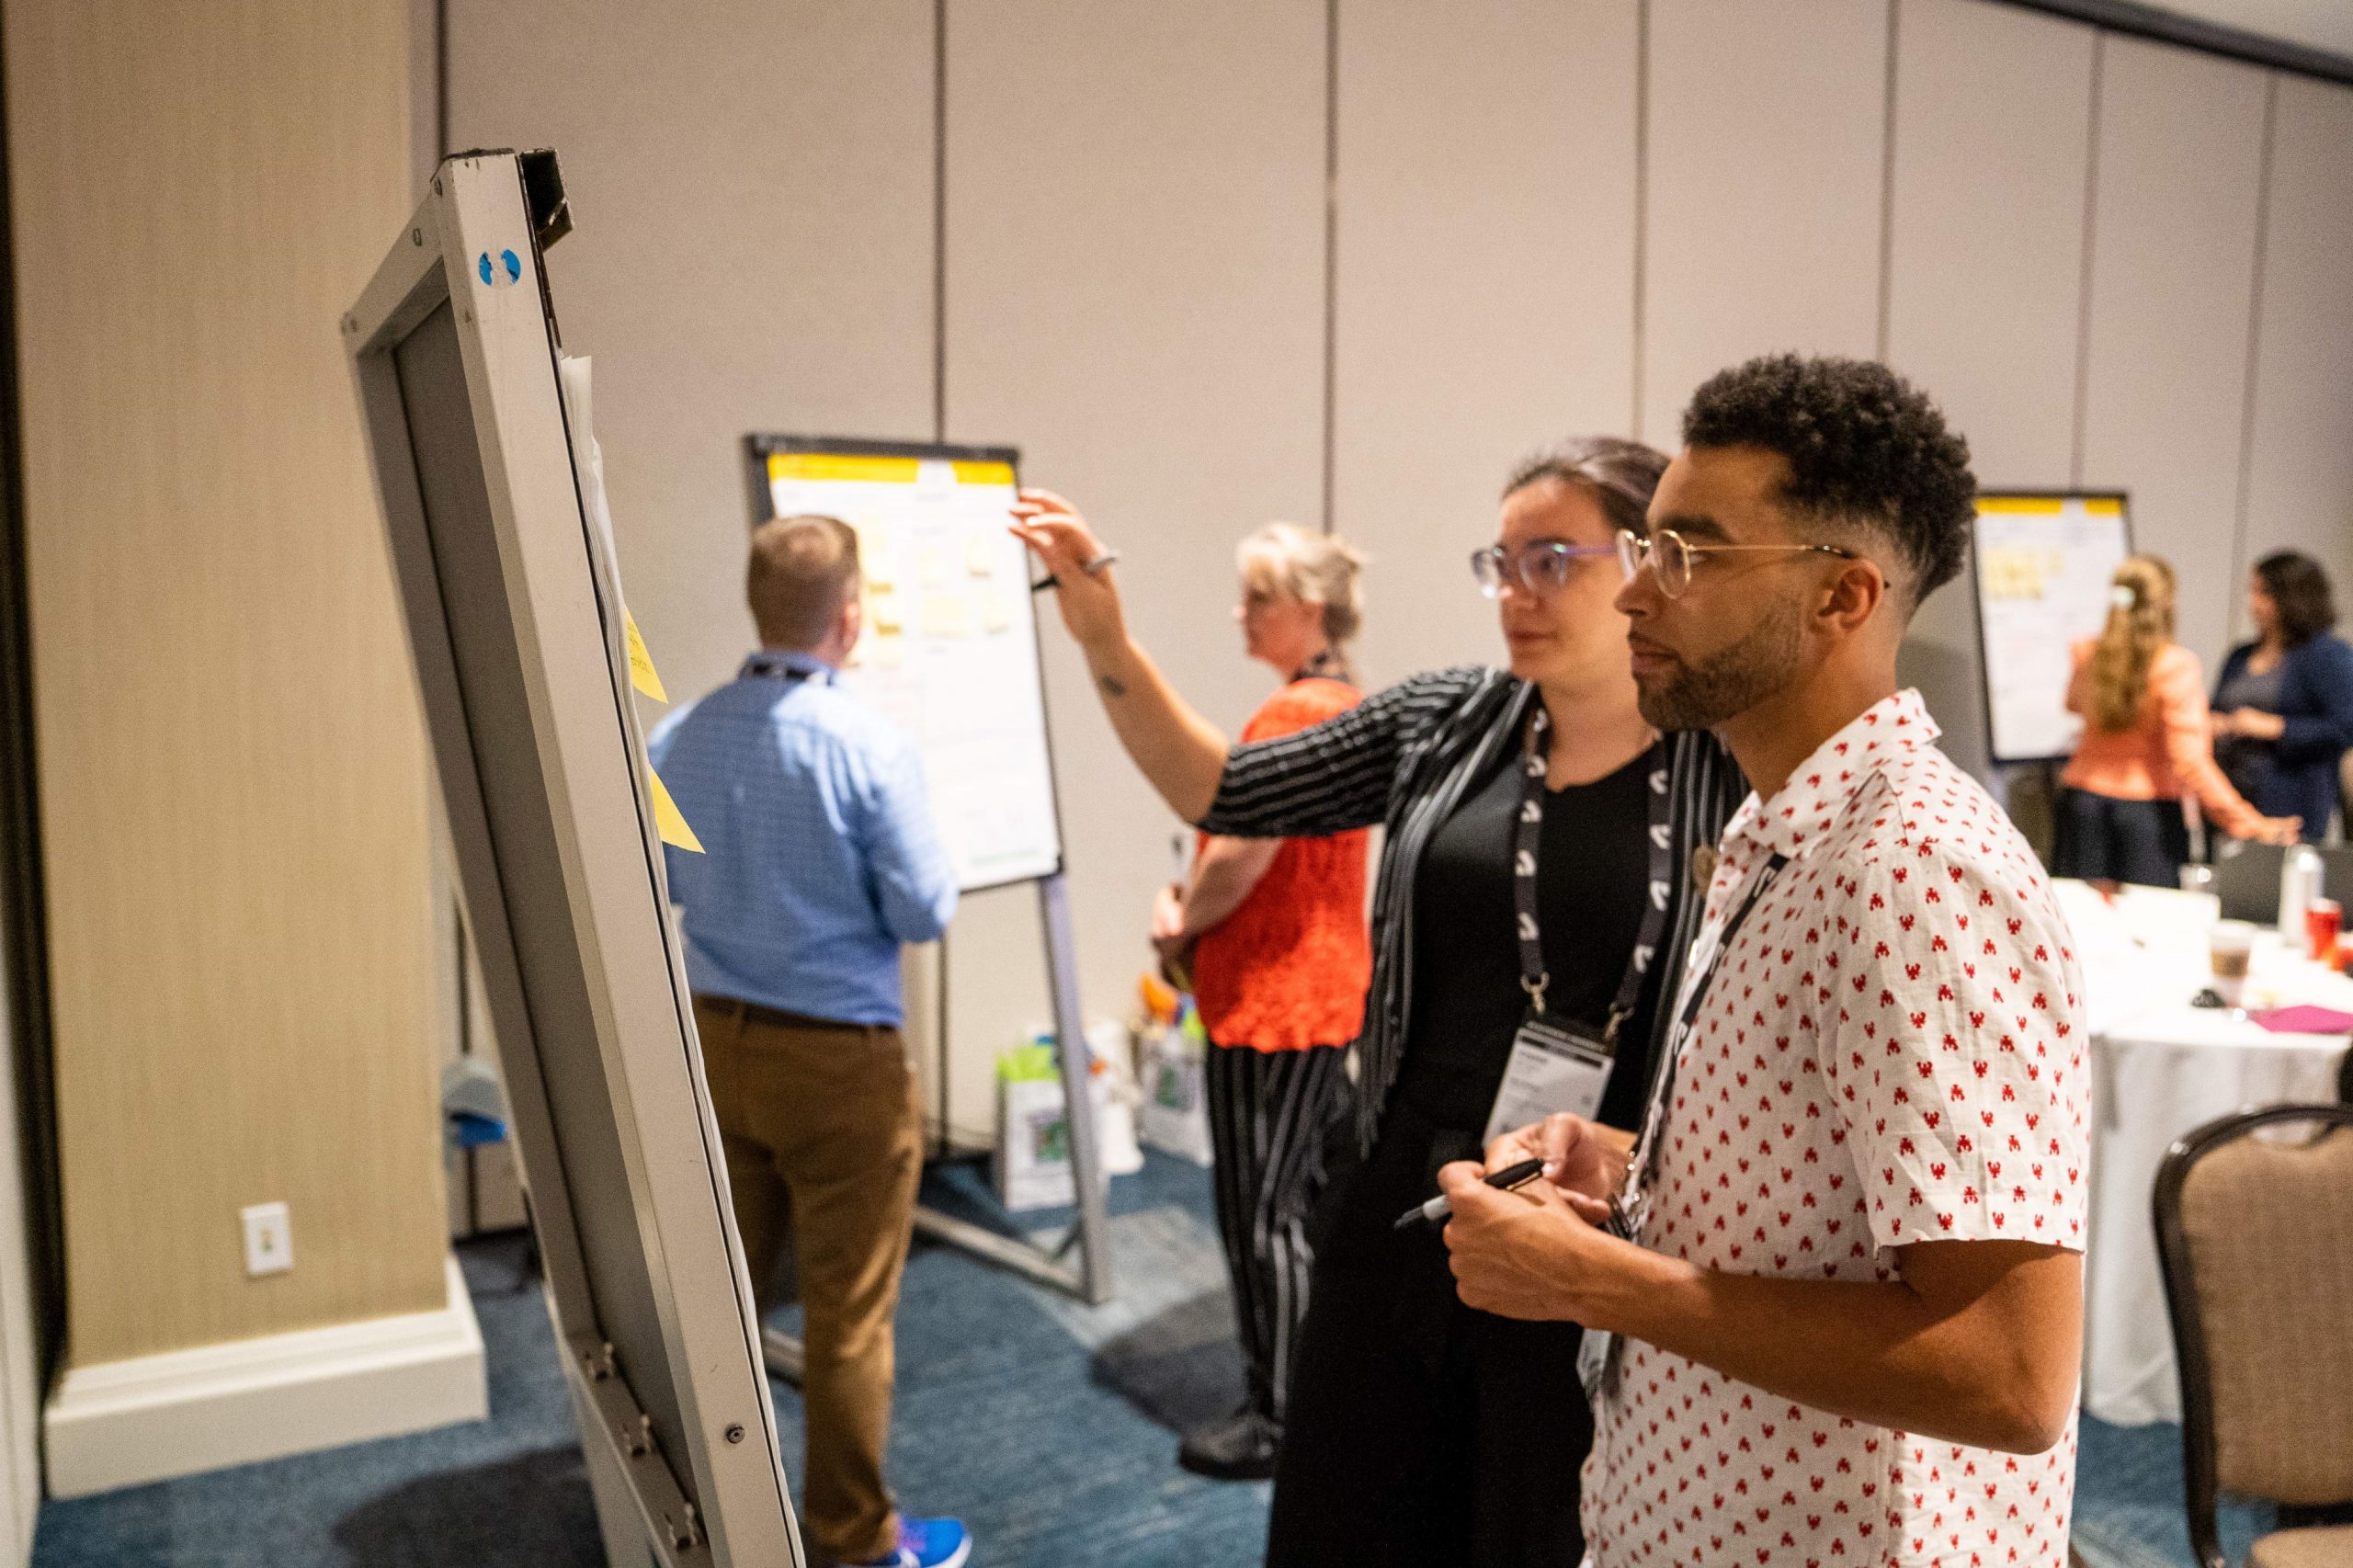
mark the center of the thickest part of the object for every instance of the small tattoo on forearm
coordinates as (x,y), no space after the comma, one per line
(1112,685)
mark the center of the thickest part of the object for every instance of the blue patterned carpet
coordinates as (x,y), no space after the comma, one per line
(1030,1417)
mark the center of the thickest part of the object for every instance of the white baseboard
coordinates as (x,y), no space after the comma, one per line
(121,1423)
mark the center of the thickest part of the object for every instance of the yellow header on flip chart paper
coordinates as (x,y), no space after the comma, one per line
(842,465)
(871,470)
(667,820)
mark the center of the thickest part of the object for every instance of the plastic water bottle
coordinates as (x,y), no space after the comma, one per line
(2300,872)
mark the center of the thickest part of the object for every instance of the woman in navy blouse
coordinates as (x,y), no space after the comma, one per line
(2283,705)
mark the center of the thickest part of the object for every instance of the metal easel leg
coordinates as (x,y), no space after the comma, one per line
(1077,1064)
(1090,1280)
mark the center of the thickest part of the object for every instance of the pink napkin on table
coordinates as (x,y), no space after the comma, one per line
(2304,1020)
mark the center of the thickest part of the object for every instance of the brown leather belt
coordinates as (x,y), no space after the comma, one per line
(774,1017)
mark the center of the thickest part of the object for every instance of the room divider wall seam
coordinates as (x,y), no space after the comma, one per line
(2091,236)
(1887,179)
(2241,521)
(1641,213)
(1331,250)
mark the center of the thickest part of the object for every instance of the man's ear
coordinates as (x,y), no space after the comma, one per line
(1859,590)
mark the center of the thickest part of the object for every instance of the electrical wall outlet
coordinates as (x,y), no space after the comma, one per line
(269,1240)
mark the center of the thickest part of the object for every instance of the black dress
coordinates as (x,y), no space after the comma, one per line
(1421,1430)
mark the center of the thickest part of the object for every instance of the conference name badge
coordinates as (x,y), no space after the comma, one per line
(1555,1067)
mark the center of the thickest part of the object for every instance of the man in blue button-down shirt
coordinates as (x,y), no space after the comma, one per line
(820,860)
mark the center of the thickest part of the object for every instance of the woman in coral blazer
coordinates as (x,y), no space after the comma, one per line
(2147,738)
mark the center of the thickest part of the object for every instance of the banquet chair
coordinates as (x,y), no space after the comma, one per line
(2247,880)
(2255,1236)
(2246,877)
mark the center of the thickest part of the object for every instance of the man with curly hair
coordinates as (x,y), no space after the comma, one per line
(1834,1283)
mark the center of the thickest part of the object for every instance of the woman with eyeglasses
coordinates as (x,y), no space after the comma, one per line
(1535,896)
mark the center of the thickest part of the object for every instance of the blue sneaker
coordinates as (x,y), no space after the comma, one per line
(928,1543)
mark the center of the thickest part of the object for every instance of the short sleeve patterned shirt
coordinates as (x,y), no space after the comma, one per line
(1893,1051)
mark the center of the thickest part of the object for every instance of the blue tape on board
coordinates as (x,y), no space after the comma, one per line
(513,266)
(485,267)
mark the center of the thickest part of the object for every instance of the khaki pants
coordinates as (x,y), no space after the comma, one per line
(825,1144)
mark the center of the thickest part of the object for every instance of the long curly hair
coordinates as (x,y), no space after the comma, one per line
(2140,621)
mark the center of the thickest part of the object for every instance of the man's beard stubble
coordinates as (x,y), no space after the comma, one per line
(1732,679)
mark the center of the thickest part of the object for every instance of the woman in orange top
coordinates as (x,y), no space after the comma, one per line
(1281,959)
(2147,737)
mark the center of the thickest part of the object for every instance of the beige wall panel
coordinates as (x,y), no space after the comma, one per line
(1992,138)
(1765,133)
(232,781)
(1993,129)
(753,188)
(1486,285)
(1135,295)
(2300,489)
(2180,152)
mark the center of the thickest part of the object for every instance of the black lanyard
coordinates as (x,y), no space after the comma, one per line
(1599,1357)
(1626,1208)
(1534,979)
(768,666)
(1324,664)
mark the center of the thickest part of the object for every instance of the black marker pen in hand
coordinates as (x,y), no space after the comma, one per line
(1438,1210)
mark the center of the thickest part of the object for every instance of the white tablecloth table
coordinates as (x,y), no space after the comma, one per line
(2162,1068)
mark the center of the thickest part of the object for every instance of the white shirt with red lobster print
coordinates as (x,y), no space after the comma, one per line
(1893,1051)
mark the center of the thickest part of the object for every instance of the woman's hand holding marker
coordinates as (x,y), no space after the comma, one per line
(1078,565)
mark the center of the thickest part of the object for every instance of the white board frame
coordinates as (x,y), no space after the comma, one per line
(758,447)
(672,1406)
(1985,654)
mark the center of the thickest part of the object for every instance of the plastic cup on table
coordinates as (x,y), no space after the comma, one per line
(2324,922)
(2230,947)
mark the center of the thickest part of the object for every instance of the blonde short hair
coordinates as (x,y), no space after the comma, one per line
(804,571)
(1315,568)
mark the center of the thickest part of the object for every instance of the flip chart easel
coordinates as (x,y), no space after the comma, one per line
(517,631)
(2041,563)
(950,653)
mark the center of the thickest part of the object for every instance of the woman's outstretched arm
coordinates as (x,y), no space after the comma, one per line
(1180,754)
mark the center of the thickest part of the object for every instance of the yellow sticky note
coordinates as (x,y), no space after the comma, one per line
(878,556)
(667,821)
(883,609)
(946,615)
(640,666)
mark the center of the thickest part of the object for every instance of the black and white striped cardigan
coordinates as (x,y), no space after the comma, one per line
(1403,758)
